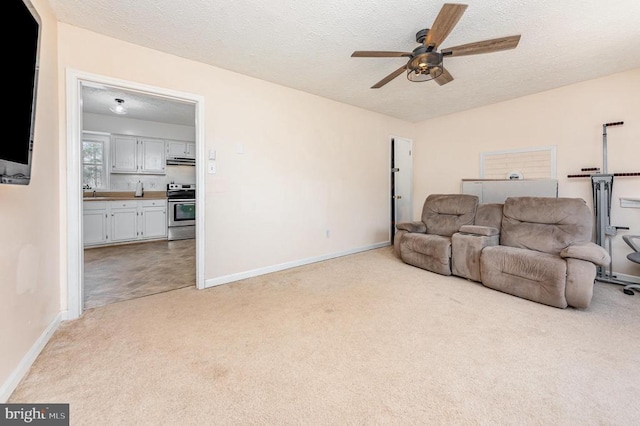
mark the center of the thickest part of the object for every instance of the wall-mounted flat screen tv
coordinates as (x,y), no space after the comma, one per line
(21,71)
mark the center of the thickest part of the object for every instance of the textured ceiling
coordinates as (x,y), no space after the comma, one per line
(306,44)
(99,100)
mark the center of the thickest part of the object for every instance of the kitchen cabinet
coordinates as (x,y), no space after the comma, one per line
(153,219)
(131,154)
(180,149)
(95,223)
(124,153)
(191,150)
(152,156)
(124,221)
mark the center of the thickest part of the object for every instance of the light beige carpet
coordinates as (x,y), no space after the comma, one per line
(359,340)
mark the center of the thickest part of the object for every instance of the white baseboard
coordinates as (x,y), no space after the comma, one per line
(212,282)
(27,360)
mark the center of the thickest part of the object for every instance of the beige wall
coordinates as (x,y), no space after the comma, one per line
(309,164)
(29,224)
(447,149)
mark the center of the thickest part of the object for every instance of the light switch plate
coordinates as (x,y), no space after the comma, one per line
(212,154)
(212,167)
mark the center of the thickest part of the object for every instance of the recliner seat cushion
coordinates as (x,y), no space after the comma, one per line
(525,273)
(426,251)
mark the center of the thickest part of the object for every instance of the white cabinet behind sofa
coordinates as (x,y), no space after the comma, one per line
(496,191)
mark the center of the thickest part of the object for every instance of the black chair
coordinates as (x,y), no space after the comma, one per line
(634,257)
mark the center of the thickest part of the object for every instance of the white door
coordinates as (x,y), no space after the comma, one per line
(401,181)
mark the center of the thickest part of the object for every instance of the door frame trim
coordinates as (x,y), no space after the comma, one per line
(393,212)
(72,221)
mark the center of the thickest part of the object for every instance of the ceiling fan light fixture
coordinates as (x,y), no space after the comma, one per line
(424,67)
(426,62)
(119,107)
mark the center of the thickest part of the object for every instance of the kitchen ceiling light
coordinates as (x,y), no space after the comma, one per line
(119,108)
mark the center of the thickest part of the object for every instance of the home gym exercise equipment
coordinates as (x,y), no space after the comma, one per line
(634,257)
(602,191)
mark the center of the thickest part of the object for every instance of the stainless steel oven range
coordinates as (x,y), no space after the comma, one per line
(181,204)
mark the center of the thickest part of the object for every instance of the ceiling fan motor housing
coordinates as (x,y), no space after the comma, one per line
(422,35)
(424,65)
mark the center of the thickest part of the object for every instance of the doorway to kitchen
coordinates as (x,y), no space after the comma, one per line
(134,148)
(125,227)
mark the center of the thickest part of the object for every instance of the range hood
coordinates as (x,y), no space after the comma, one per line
(181,161)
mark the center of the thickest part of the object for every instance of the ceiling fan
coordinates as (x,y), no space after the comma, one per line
(425,62)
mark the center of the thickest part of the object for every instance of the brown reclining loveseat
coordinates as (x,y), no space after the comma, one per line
(537,248)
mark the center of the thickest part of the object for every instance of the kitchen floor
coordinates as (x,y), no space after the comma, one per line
(123,272)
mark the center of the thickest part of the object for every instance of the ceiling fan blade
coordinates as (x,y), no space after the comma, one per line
(378,54)
(485,46)
(389,77)
(444,78)
(448,17)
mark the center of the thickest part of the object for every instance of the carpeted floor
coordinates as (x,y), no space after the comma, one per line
(359,340)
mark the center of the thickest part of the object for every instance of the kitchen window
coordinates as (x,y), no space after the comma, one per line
(94,162)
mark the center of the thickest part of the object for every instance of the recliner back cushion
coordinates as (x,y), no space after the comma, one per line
(444,214)
(489,215)
(545,224)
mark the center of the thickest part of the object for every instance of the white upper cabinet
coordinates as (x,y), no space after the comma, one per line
(130,154)
(152,158)
(180,149)
(175,149)
(191,150)
(124,154)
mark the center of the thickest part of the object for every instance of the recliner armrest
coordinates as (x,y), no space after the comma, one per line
(414,227)
(487,231)
(590,252)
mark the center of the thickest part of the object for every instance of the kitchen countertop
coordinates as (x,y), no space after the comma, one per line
(126,195)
